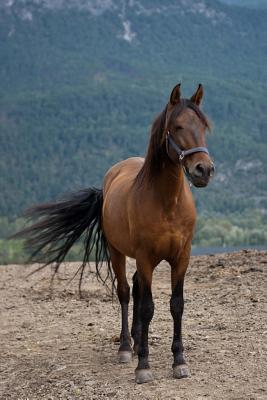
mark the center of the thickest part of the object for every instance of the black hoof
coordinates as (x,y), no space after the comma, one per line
(181,371)
(143,375)
(125,356)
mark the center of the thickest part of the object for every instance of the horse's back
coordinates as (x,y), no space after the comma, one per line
(117,189)
(124,172)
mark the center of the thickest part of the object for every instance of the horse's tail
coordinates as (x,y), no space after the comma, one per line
(63,223)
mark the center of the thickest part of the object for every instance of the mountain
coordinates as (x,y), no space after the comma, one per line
(247,3)
(81,82)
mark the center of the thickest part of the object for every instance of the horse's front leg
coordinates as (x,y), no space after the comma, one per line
(180,369)
(143,373)
(136,325)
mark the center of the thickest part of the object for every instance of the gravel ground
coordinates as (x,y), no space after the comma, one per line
(56,346)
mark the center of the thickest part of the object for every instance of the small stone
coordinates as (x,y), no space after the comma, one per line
(25,325)
(115,339)
(63,348)
(211,266)
(220,263)
(254,299)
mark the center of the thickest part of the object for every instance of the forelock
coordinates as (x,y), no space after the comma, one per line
(184,104)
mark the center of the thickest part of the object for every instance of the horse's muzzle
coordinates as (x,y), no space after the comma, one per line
(201,174)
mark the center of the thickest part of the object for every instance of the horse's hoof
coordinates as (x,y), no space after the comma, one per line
(181,371)
(143,376)
(125,356)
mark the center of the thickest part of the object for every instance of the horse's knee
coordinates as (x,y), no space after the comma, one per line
(176,305)
(147,312)
(147,307)
(135,291)
(123,291)
(177,301)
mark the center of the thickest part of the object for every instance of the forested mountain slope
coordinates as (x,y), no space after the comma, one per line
(82,80)
(247,3)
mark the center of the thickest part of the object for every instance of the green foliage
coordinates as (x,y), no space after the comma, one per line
(238,229)
(246,229)
(13,252)
(75,98)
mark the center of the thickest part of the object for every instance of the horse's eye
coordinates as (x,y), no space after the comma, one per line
(179,127)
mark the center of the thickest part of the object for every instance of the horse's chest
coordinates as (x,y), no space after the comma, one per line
(171,241)
(167,237)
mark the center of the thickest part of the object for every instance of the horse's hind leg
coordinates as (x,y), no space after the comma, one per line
(145,313)
(123,290)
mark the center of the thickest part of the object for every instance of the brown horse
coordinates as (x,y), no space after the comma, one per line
(145,211)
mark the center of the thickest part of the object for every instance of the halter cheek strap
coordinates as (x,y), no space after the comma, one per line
(183,153)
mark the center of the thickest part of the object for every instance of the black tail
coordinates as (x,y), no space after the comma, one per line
(63,223)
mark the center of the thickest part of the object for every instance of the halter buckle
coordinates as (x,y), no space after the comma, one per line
(181,156)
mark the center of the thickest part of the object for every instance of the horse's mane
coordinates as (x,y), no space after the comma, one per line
(156,153)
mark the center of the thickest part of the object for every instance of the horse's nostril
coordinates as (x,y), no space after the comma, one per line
(199,170)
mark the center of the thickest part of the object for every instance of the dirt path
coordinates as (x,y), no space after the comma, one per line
(60,347)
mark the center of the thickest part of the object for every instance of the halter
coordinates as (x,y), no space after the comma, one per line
(184,103)
(183,153)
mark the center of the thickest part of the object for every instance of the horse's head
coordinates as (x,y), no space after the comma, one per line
(185,130)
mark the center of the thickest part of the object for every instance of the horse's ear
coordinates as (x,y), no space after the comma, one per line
(197,97)
(175,94)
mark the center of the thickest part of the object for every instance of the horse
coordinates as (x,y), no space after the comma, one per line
(145,211)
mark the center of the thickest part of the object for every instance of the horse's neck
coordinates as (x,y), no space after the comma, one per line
(169,186)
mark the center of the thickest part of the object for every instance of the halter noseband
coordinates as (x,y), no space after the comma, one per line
(183,153)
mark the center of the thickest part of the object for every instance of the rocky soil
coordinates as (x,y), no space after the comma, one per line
(56,346)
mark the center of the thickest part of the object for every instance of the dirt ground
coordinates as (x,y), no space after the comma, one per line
(56,346)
